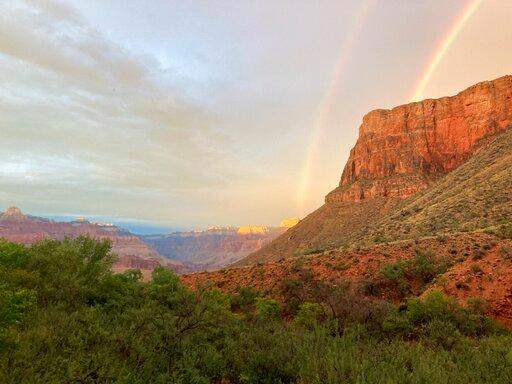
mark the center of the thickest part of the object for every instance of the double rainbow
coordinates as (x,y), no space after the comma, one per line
(327,102)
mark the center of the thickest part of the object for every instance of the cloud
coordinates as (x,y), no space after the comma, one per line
(85,120)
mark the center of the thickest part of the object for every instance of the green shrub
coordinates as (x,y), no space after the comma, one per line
(310,315)
(117,328)
(426,266)
(477,305)
(244,299)
(370,287)
(268,309)
(394,272)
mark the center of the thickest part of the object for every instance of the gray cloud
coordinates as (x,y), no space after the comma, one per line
(83,119)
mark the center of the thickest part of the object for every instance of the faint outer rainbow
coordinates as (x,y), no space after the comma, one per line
(444,46)
(326,104)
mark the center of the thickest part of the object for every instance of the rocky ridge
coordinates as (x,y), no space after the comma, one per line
(402,150)
(398,153)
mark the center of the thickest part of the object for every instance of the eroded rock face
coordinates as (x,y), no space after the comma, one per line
(402,150)
(252,229)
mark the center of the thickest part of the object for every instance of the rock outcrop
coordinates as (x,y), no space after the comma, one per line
(399,152)
(252,229)
(13,214)
(402,150)
(290,222)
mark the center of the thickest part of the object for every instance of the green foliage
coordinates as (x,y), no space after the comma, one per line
(394,272)
(505,231)
(477,305)
(310,315)
(506,252)
(268,309)
(104,328)
(14,303)
(244,300)
(424,266)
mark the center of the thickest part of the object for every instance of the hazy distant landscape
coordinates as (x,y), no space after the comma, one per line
(256,192)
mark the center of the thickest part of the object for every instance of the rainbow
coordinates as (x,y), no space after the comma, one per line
(327,103)
(443,48)
(339,67)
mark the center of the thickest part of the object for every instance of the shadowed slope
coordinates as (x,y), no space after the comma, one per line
(476,195)
(322,229)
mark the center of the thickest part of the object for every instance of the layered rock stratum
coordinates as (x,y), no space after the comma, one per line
(214,248)
(461,224)
(400,151)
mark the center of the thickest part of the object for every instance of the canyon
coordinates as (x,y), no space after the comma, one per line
(402,150)
(216,247)
(398,153)
(183,252)
(429,178)
(131,251)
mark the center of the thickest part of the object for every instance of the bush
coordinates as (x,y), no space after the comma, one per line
(117,328)
(370,287)
(426,266)
(394,272)
(244,299)
(506,252)
(310,315)
(477,305)
(268,309)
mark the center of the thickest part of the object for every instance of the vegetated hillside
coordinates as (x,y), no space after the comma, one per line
(322,228)
(468,266)
(211,249)
(398,153)
(66,318)
(454,236)
(476,195)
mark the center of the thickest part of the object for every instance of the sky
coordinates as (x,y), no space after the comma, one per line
(185,114)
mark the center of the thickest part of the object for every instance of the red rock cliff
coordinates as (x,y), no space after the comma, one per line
(400,151)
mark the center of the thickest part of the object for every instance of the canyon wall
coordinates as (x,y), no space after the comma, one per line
(402,150)
(398,153)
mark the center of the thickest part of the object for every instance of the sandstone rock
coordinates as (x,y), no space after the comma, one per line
(402,150)
(399,152)
(290,222)
(211,249)
(252,229)
(13,214)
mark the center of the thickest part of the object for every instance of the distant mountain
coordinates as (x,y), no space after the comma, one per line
(216,247)
(131,250)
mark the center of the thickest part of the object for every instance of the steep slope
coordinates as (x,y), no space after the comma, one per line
(324,228)
(399,152)
(476,195)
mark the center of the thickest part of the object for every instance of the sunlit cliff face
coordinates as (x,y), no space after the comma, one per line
(191,115)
